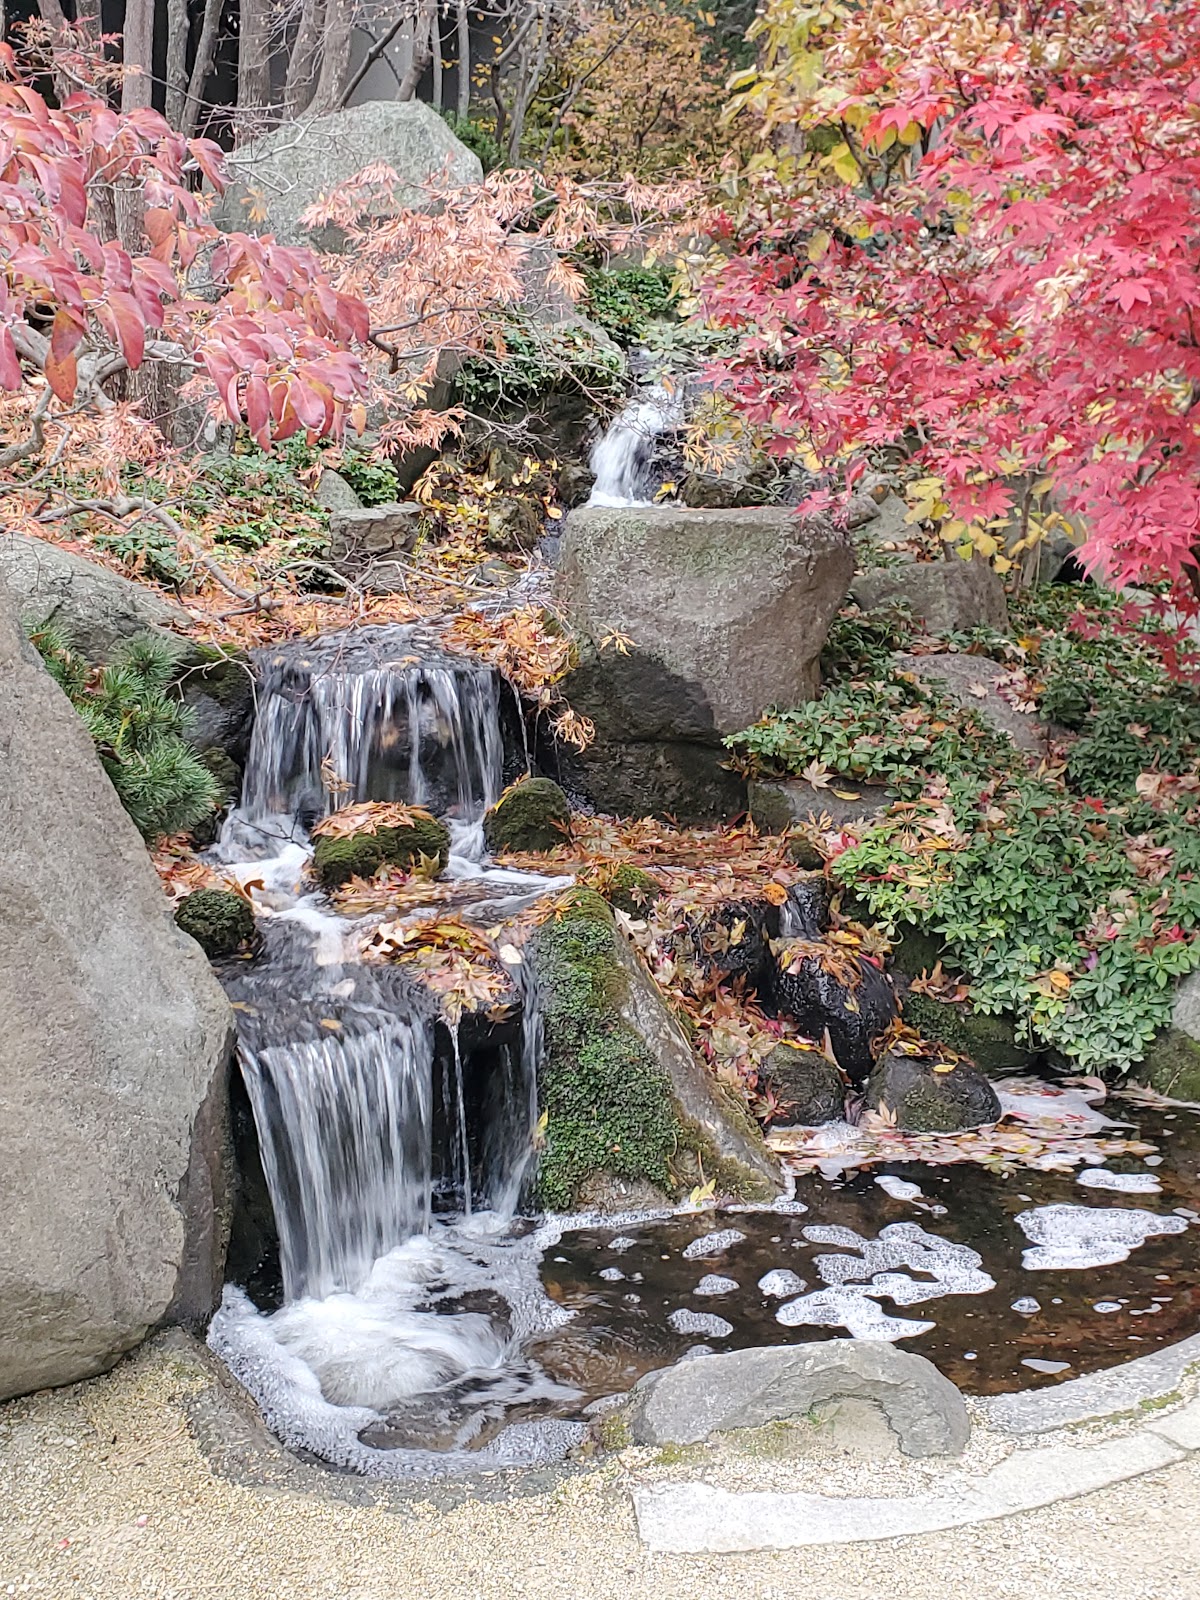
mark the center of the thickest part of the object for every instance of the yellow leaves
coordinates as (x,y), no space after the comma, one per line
(925,500)
(842,160)
(614,639)
(818,244)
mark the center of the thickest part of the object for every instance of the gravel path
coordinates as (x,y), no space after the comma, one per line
(104,1495)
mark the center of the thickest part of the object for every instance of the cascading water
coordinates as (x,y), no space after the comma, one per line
(393,1180)
(623,459)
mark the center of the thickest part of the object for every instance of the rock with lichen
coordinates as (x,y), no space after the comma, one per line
(359,855)
(922,1094)
(533,815)
(808,1086)
(632,890)
(219,920)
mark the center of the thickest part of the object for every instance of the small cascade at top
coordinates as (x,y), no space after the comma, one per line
(624,458)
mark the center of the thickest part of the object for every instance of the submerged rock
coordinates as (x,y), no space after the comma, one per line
(851,999)
(113,1062)
(810,1088)
(359,855)
(533,814)
(622,1092)
(691,1401)
(923,1100)
(217,919)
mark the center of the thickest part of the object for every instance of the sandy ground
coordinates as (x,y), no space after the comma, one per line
(104,1493)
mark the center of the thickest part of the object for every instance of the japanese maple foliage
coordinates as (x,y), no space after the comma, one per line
(109,262)
(982,239)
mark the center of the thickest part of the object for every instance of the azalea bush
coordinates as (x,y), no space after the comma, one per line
(972,239)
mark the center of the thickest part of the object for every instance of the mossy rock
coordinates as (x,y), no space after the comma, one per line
(810,1088)
(916,952)
(613,1109)
(631,890)
(922,1100)
(534,815)
(360,855)
(1172,1066)
(990,1042)
(219,920)
(226,771)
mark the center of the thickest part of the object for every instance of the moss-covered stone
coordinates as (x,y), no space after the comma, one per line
(1172,1066)
(923,1100)
(916,952)
(990,1042)
(219,920)
(631,890)
(533,815)
(810,1088)
(226,771)
(359,855)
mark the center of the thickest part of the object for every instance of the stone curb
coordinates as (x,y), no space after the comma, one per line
(696,1518)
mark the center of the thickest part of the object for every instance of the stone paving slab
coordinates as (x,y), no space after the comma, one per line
(1099,1394)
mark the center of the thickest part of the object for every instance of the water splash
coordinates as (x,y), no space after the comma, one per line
(623,459)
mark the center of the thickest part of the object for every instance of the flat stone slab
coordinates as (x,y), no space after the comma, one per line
(686,1403)
(697,1518)
(1140,1385)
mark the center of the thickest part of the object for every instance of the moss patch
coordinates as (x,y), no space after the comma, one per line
(609,1105)
(1172,1066)
(217,919)
(533,815)
(336,861)
(990,1042)
(631,890)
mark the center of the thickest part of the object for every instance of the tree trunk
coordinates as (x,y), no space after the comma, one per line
(206,49)
(302,66)
(435,39)
(175,104)
(254,65)
(423,34)
(137,54)
(335,57)
(464,60)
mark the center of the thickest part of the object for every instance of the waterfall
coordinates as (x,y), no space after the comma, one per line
(375,714)
(623,459)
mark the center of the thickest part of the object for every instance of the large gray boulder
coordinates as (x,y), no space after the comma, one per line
(277,177)
(113,1061)
(948,596)
(1172,1063)
(97,608)
(704,1395)
(691,624)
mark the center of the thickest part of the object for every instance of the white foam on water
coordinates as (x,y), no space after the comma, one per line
(1037,1364)
(713,1244)
(898,1189)
(1120,1182)
(700,1322)
(781,1282)
(1027,1306)
(611,1274)
(950,1268)
(713,1284)
(852,1309)
(1069,1237)
(621,1243)
(1106,1307)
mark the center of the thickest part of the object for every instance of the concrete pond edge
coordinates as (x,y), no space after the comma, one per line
(1138,1415)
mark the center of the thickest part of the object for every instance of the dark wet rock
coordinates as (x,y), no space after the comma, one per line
(113,1062)
(990,1042)
(923,1100)
(575,484)
(359,855)
(217,919)
(916,952)
(513,522)
(97,609)
(947,596)
(806,912)
(732,939)
(692,1400)
(623,1093)
(217,686)
(803,853)
(851,999)
(534,815)
(777,806)
(1172,1063)
(809,1087)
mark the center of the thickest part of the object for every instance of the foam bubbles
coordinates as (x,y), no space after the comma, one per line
(781,1282)
(713,1244)
(702,1322)
(1120,1182)
(898,1189)
(1070,1236)
(712,1283)
(852,1309)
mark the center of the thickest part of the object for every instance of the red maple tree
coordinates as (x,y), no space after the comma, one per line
(982,241)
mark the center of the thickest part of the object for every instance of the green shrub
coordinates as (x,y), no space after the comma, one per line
(538,361)
(138,728)
(476,137)
(624,301)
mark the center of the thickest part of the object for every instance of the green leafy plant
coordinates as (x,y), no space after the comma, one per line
(476,137)
(532,362)
(625,301)
(138,728)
